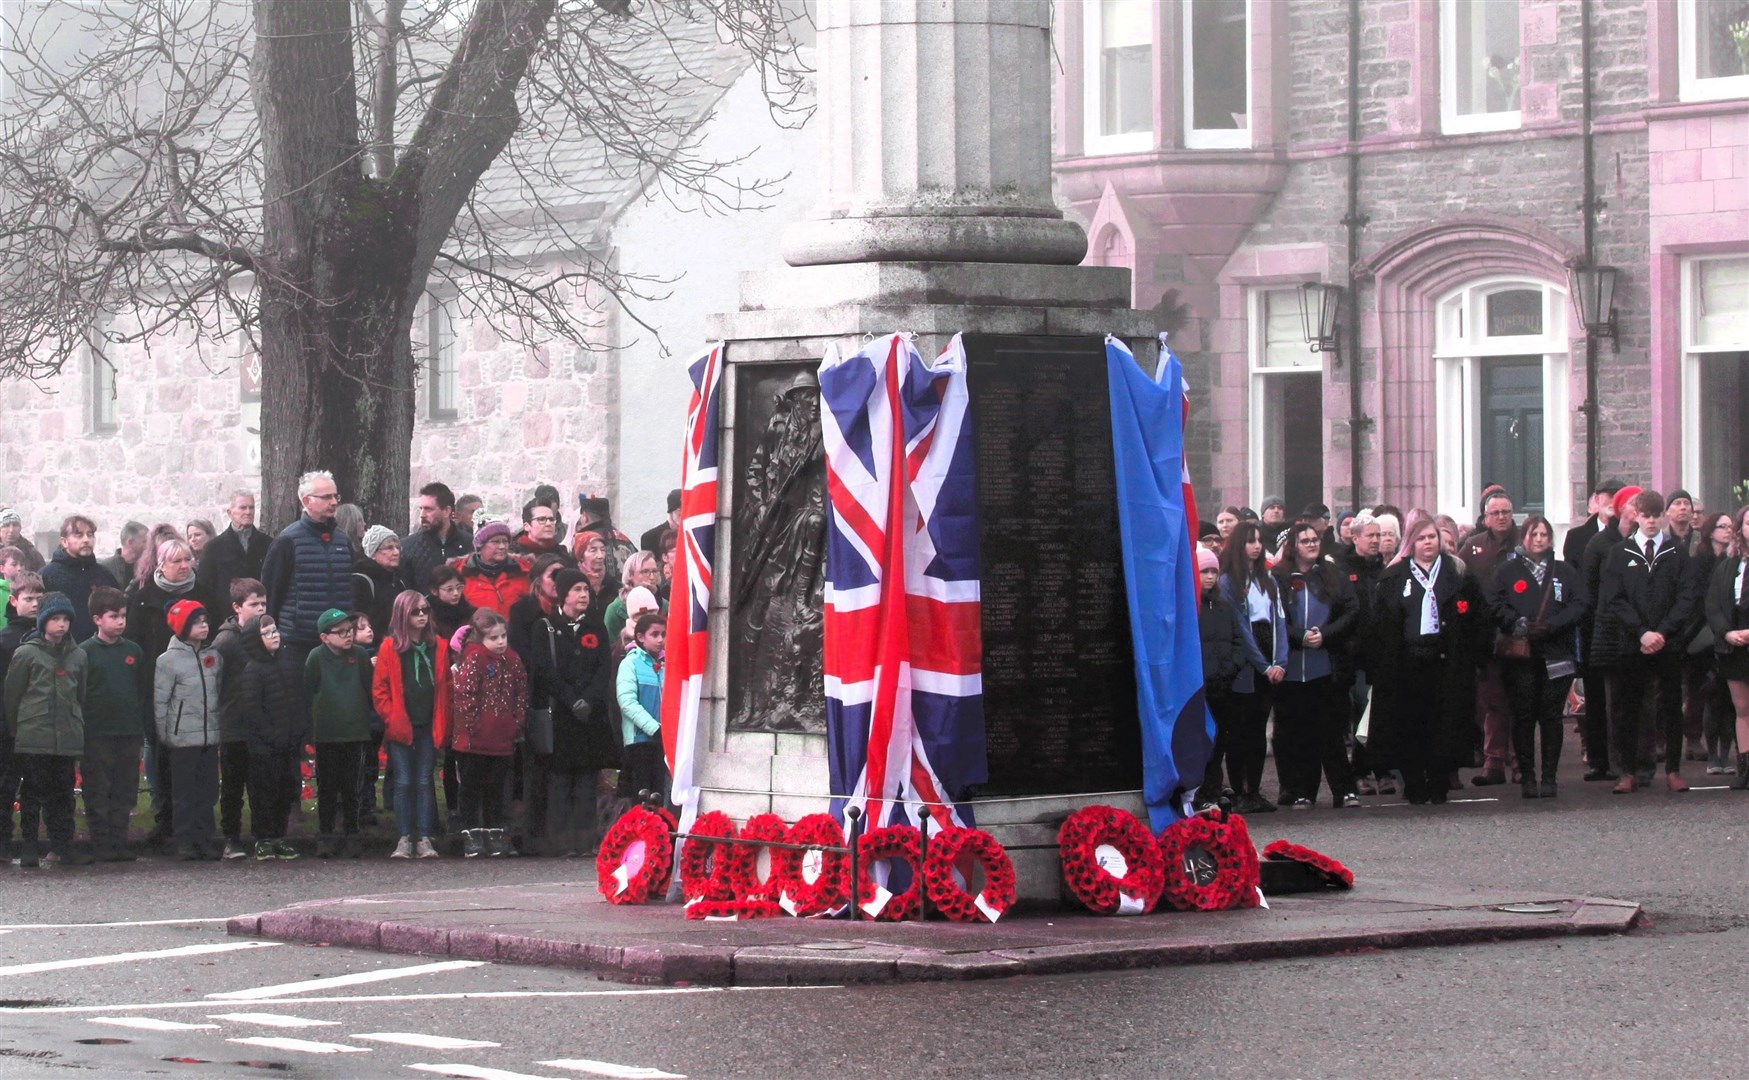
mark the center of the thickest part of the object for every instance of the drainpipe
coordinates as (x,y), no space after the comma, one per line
(1354,221)
(1588,216)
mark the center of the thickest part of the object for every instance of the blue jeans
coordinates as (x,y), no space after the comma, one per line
(413,766)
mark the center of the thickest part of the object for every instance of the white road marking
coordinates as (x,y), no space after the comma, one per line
(608,1068)
(477,1072)
(150,1023)
(273,1020)
(426,1042)
(307,1046)
(354,979)
(130,957)
(472,995)
(8,927)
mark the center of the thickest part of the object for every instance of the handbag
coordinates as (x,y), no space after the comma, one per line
(539,733)
(1507,647)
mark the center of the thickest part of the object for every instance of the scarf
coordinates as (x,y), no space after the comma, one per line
(1538,568)
(1429,602)
(422,656)
(179,588)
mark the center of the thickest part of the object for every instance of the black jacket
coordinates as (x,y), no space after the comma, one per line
(1514,594)
(149,626)
(76,577)
(1590,569)
(1223,643)
(448,618)
(1573,547)
(1635,597)
(1440,717)
(374,589)
(226,558)
(1723,613)
(269,703)
(1339,629)
(569,663)
(422,552)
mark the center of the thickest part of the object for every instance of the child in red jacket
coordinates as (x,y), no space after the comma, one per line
(491,704)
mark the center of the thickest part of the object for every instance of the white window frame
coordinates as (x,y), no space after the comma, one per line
(1458,358)
(441,337)
(1693,355)
(1452,122)
(101,373)
(1196,138)
(1262,451)
(1689,86)
(1093,90)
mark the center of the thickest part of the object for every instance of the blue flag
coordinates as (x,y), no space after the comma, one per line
(1156,522)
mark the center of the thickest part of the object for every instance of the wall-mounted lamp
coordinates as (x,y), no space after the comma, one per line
(1320,304)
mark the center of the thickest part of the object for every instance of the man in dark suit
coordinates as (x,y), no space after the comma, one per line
(1601,509)
(651,541)
(235,553)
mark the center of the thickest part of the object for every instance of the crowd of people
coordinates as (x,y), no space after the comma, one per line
(1391,651)
(519,669)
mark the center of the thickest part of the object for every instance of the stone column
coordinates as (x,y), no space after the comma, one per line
(936,136)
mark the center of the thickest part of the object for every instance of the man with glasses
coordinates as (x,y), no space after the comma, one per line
(540,534)
(1481,552)
(74,571)
(308,569)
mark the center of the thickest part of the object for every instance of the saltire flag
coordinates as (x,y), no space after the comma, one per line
(1156,519)
(903,636)
(689,602)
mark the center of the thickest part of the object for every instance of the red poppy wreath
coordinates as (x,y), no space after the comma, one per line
(1210,863)
(1335,874)
(948,887)
(1111,861)
(702,857)
(814,881)
(739,865)
(899,842)
(635,857)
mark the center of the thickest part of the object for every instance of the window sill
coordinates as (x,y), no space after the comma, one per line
(1475,123)
(1723,88)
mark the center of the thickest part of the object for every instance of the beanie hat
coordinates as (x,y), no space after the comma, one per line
(1205,560)
(591,503)
(182,614)
(1315,510)
(674,500)
(1274,502)
(331,618)
(375,537)
(638,601)
(53,604)
(484,531)
(1625,496)
(9,516)
(1206,529)
(566,580)
(1679,493)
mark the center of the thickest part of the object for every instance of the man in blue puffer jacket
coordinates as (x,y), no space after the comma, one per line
(308,569)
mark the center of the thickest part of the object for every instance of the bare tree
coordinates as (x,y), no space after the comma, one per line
(299,173)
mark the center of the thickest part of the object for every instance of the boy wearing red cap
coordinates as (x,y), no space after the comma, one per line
(185,700)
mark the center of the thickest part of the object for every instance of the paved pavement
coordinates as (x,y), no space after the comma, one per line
(1662,1000)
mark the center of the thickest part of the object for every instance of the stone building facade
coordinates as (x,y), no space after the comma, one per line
(1207,145)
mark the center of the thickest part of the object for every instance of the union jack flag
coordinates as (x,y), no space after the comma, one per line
(689,594)
(903,637)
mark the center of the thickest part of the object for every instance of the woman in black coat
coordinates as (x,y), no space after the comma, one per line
(1727,616)
(1223,654)
(568,661)
(1311,702)
(275,722)
(1538,603)
(149,596)
(1423,659)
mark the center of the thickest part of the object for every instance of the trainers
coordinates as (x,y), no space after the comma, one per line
(1350,800)
(471,846)
(263,851)
(1301,804)
(425,849)
(403,849)
(236,849)
(283,850)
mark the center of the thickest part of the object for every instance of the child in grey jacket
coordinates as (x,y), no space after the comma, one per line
(186,707)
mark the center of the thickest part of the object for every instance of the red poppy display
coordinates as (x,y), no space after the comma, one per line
(1463,607)
(1111,862)
(815,881)
(1210,863)
(948,888)
(589,641)
(702,859)
(1335,874)
(1520,586)
(739,865)
(635,857)
(893,842)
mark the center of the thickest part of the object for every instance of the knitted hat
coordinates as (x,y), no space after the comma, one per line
(1205,529)
(591,503)
(53,604)
(1315,511)
(1625,496)
(375,537)
(1679,493)
(488,530)
(9,516)
(566,580)
(1205,560)
(674,500)
(640,600)
(1274,502)
(181,615)
(331,618)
